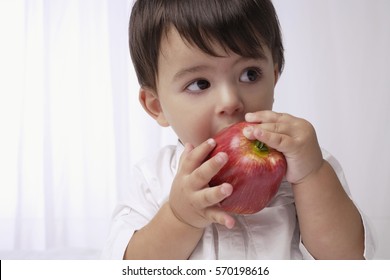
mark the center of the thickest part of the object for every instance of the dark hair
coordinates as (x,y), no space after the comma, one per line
(242,26)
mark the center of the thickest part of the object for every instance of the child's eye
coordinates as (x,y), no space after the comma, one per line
(250,75)
(198,85)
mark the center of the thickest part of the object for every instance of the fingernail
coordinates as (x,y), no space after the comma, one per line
(226,189)
(211,142)
(221,158)
(250,117)
(248,131)
(229,223)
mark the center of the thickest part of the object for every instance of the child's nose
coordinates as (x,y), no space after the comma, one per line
(229,102)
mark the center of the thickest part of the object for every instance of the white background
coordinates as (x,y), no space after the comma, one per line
(337,76)
(71,126)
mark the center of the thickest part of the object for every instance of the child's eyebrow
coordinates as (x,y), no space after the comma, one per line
(189,70)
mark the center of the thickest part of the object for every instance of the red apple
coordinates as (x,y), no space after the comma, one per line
(254,170)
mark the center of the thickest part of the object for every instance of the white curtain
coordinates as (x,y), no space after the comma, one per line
(71,126)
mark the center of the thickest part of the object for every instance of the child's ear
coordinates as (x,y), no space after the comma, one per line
(276,73)
(150,102)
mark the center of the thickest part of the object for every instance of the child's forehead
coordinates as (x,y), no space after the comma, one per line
(173,40)
(209,45)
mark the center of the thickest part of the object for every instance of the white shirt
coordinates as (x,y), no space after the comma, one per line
(272,233)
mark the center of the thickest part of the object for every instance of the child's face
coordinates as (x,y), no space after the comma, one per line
(198,94)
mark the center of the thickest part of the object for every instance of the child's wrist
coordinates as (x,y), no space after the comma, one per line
(309,177)
(179,219)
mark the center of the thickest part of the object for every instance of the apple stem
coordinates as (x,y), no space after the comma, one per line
(261,146)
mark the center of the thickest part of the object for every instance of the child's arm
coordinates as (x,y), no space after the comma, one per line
(178,226)
(330,224)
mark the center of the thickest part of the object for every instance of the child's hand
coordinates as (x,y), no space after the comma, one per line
(294,137)
(191,200)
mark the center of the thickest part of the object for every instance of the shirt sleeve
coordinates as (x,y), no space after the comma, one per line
(369,240)
(120,233)
(130,216)
(151,180)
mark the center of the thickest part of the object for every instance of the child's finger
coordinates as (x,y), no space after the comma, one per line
(266,116)
(254,132)
(193,158)
(210,196)
(275,140)
(219,216)
(203,174)
(278,128)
